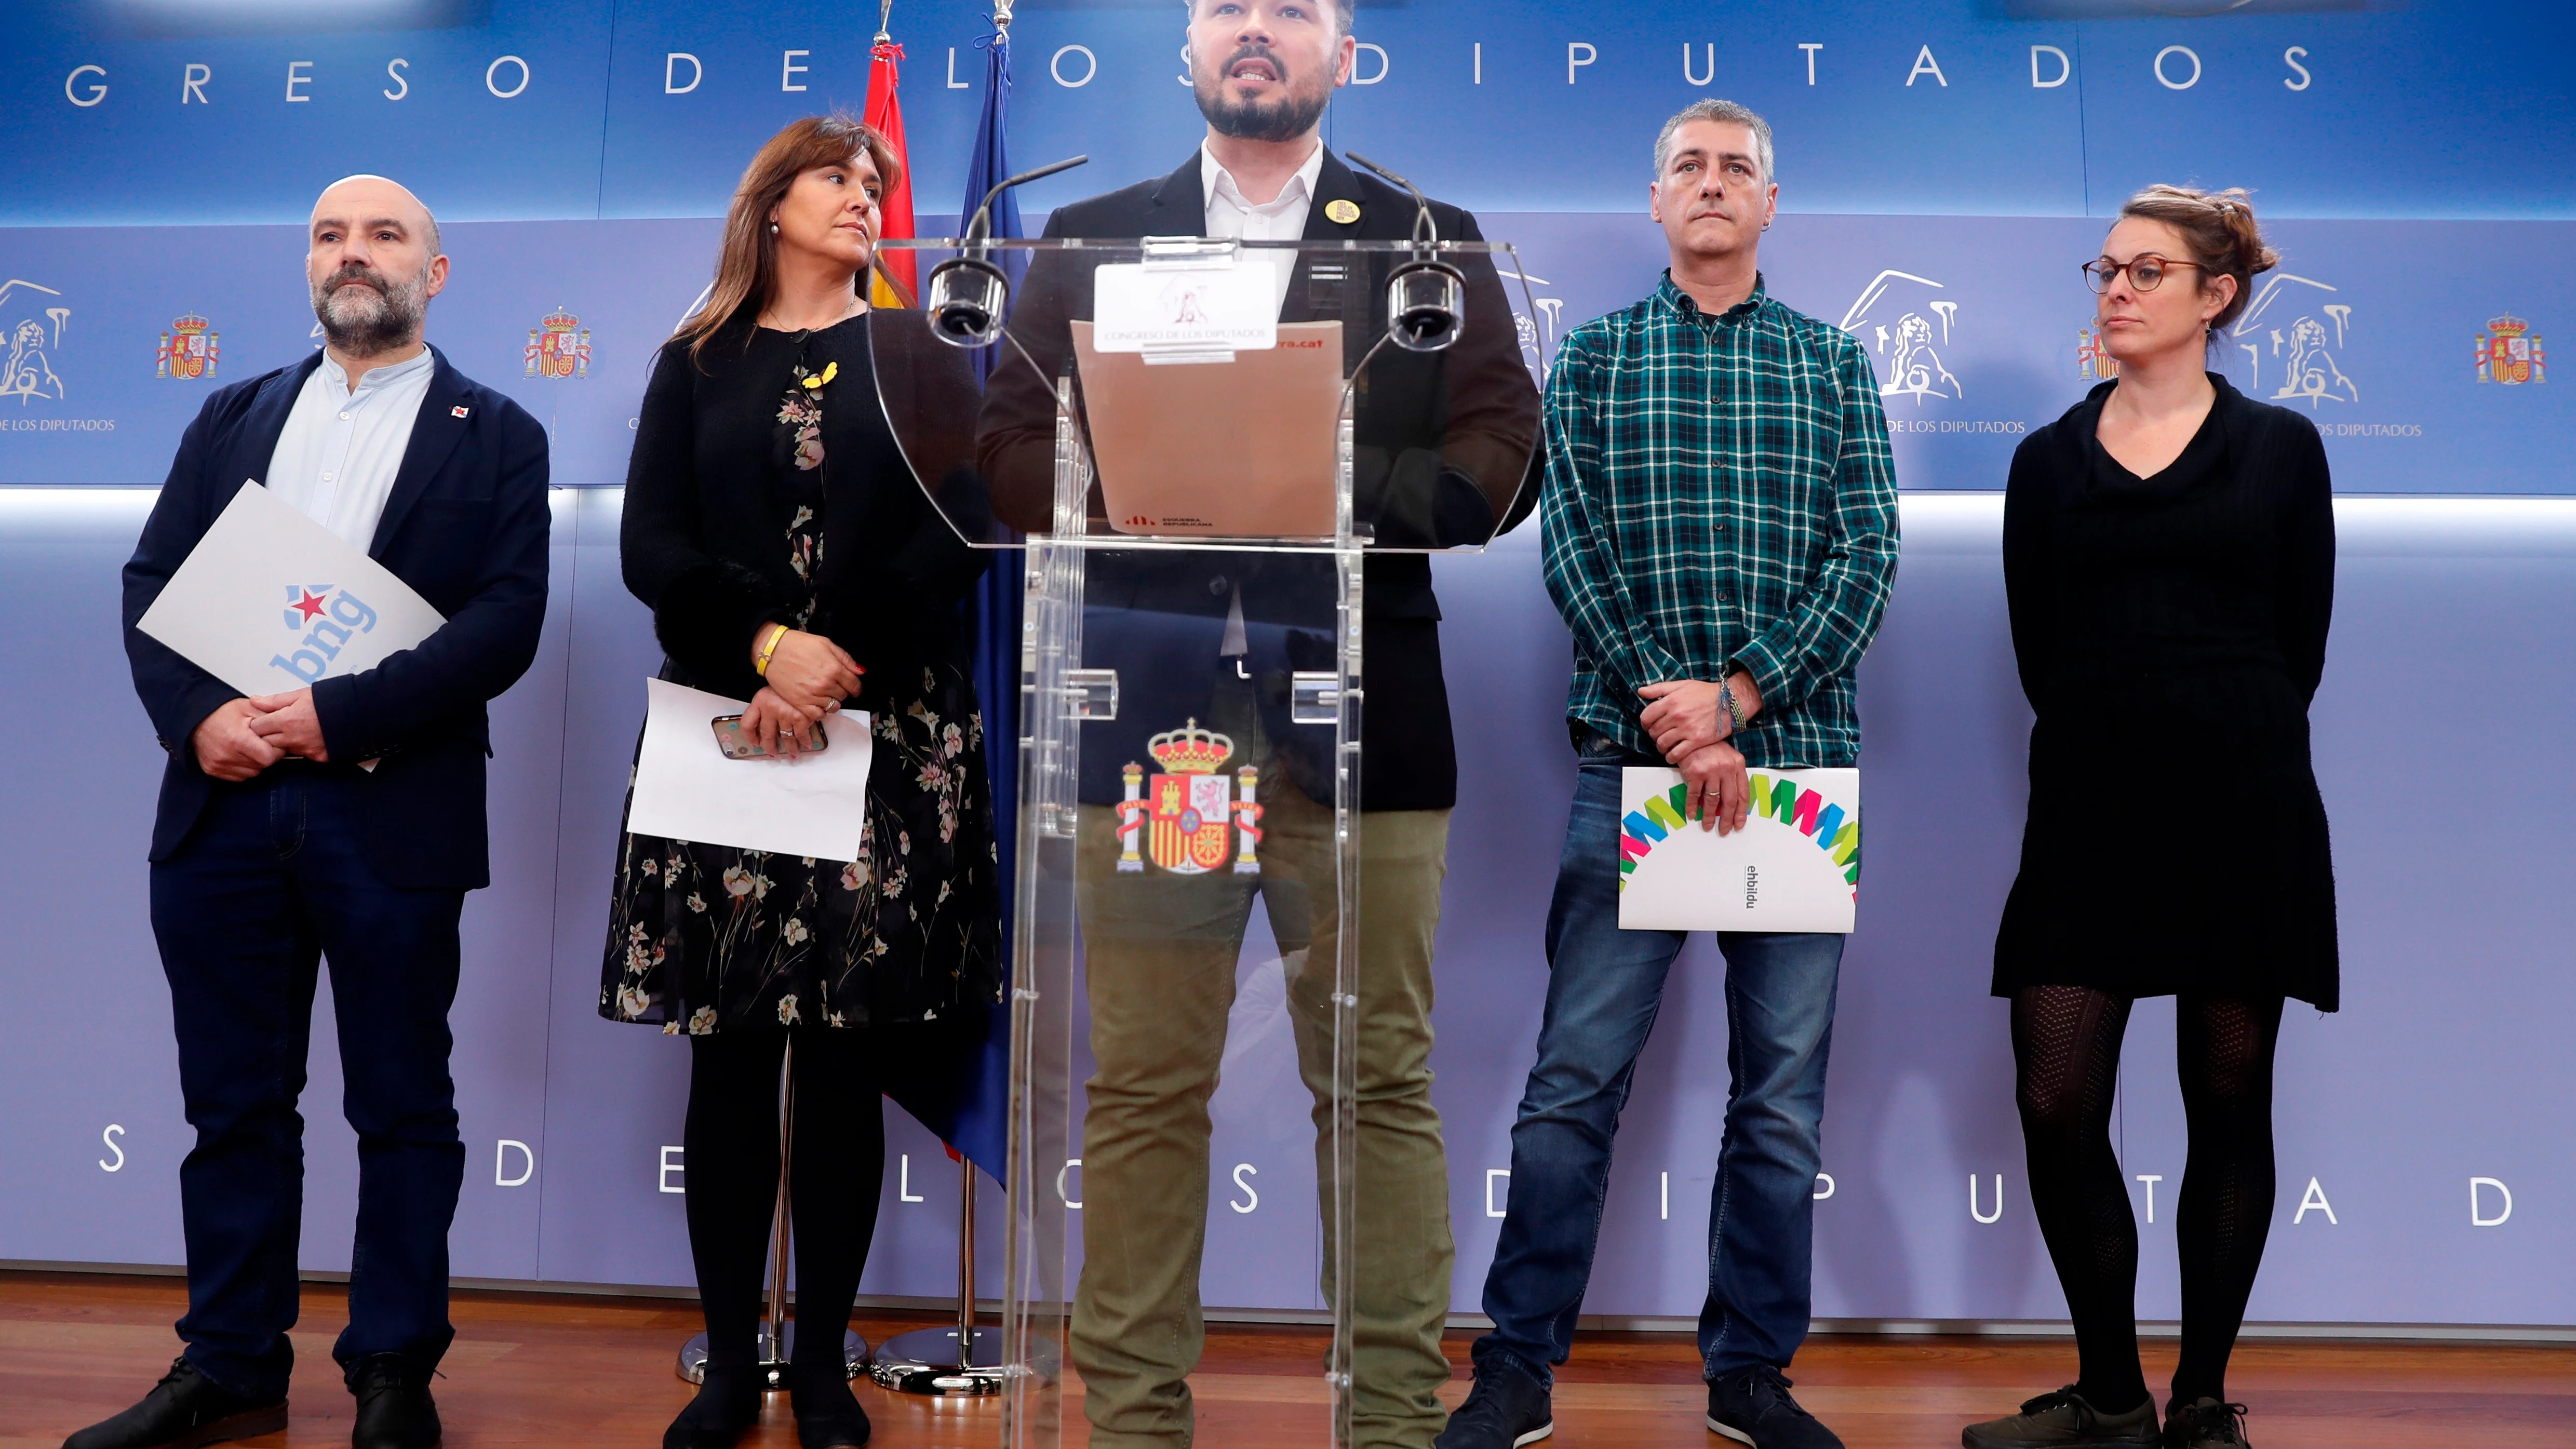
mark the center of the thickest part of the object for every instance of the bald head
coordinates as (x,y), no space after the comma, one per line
(356,200)
(374,262)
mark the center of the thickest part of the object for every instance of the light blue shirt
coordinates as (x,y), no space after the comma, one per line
(338,455)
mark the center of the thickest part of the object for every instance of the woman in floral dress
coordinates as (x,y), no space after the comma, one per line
(790,560)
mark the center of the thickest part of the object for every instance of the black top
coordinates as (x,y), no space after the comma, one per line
(710,492)
(466,525)
(2170,633)
(1476,398)
(765,486)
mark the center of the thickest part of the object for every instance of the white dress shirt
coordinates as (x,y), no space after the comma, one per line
(337,457)
(1283,218)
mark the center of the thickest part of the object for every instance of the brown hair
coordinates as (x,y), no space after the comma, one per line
(2219,228)
(747,264)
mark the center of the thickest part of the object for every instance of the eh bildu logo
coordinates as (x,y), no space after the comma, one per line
(1186,817)
(327,618)
(559,347)
(2509,354)
(188,350)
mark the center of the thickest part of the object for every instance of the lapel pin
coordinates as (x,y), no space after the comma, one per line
(458,412)
(1342,211)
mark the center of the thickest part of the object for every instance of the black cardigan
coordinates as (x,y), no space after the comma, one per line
(2170,633)
(703,541)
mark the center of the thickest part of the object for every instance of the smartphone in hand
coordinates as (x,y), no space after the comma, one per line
(739,744)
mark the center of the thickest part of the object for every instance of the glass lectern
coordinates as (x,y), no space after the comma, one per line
(1201,445)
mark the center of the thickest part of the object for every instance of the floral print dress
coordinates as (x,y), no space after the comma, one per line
(707,938)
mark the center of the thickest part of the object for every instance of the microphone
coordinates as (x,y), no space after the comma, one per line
(1426,299)
(967,296)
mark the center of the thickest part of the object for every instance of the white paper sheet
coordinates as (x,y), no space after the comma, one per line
(1786,870)
(686,788)
(270,601)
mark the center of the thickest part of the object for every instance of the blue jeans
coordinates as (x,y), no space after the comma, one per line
(1604,987)
(269,886)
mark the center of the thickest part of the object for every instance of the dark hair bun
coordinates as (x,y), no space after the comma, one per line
(2220,229)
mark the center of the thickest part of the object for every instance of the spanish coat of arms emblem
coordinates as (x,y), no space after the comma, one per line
(188,350)
(559,347)
(2509,354)
(1184,819)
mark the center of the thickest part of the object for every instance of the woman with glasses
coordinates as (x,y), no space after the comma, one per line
(2169,563)
(790,561)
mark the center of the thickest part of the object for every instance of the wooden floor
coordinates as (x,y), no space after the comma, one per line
(562,1370)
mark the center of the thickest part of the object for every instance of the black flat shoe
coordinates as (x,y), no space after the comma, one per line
(727,1405)
(828,1415)
(395,1410)
(2205,1424)
(185,1409)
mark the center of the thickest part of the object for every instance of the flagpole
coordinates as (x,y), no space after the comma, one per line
(962,1358)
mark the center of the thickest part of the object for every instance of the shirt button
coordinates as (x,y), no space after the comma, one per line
(1726,595)
(344,417)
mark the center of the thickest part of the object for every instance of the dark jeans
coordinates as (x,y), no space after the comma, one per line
(1604,987)
(269,884)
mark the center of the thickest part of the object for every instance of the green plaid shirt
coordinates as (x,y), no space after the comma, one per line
(1719,496)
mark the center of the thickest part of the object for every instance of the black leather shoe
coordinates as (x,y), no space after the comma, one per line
(1752,1406)
(828,1415)
(185,1409)
(395,1410)
(727,1405)
(1505,1410)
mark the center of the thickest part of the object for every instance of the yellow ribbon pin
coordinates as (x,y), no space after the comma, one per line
(830,370)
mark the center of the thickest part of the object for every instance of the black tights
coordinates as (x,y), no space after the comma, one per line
(2066,1046)
(838,1168)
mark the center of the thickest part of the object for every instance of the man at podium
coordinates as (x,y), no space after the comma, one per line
(1205,644)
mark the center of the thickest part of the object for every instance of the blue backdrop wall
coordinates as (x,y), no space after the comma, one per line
(1950,161)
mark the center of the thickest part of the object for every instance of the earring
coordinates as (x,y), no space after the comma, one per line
(773,228)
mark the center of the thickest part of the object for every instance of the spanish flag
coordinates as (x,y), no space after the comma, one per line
(891,282)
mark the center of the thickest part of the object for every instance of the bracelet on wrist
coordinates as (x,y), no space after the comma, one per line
(760,665)
(1734,711)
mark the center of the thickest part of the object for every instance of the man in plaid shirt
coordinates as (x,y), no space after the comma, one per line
(1720,517)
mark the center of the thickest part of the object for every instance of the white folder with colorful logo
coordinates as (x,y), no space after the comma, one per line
(1795,866)
(270,601)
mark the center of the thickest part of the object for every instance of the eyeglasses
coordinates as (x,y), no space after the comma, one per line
(2144,271)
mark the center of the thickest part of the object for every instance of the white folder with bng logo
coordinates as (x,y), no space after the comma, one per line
(270,601)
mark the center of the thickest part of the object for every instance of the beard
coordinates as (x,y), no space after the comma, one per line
(374,317)
(1285,119)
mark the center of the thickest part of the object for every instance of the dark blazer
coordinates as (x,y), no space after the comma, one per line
(1444,441)
(466,526)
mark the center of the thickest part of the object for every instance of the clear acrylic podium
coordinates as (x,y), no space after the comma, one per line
(1188,989)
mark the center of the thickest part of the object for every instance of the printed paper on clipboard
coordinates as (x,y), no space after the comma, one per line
(1795,866)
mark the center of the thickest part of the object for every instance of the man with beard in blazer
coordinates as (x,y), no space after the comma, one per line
(341,823)
(1205,644)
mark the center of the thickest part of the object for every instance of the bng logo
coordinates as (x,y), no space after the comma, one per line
(326,618)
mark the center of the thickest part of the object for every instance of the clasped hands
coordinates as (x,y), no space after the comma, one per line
(808,677)
(246,736)
(1688,722)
